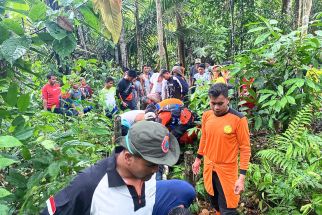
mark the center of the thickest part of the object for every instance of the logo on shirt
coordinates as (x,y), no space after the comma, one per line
(165,144)
(228,129)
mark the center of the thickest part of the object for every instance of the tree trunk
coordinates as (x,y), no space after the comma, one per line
(188,161)
(286,7)
(116,55)
(124,58)
(232,26)
(242,26)
(306,10)
(297,14)
(181,53)
(162,56)
(82,39)
(138,36)
(166,53)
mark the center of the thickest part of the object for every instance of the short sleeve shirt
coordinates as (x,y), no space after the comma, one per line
(202,79)
(100,189)
(52,95)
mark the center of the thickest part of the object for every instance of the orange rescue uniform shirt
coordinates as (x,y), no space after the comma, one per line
(221,140)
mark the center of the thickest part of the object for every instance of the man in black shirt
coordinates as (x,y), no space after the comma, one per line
(124,90)
(173,87)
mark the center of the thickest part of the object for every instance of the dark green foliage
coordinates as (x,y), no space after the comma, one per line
(288,177)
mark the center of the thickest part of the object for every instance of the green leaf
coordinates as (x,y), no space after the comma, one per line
(54,169)
(292,81)
(280,90)
(77,143)
(99,131)
(256,29)
(261,38)
(263,97)
(311,84)
(273,21)
(38,11)
(4,35)
(299,84)
(16,179)
(4,113)
(291,100)
(264,91)
(55,31)
(18,121)
(9,141)
(25,153)
(4,192)
(13,25)
(291,90)
(111,15)
(258,123)
(90,18)
(12,94)
(65,46)
(318,33)
(23,102)
(283,102)
(46,37)
(24,134)
(48,144)
(268,178)
(4,162)
(4,209)
(14,48)
(270,103)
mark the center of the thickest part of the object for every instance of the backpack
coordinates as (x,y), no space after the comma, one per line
(176,115)
(184,84)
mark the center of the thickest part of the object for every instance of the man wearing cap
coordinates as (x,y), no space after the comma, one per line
(225,135)
(125,90)
(124,183)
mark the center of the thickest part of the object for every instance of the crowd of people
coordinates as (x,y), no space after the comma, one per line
(152,109)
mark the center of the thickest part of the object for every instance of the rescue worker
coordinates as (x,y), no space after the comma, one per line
(224,134)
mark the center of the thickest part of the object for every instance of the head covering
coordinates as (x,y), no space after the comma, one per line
(155,97)
(177,70)
(151,116)
(197,60)
(153,142)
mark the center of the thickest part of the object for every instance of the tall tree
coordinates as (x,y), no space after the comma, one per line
(123,50)
(306,5)
(302,14)
(286,7)
(297,14)
(162,54)
(232,26)
(181,51)
(138,36)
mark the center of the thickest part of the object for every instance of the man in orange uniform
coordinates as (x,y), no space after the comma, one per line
(224,134)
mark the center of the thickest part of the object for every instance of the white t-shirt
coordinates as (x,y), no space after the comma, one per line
(154,77)
(201,79)
(130,115)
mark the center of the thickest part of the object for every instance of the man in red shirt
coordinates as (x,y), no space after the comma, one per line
(51,94)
